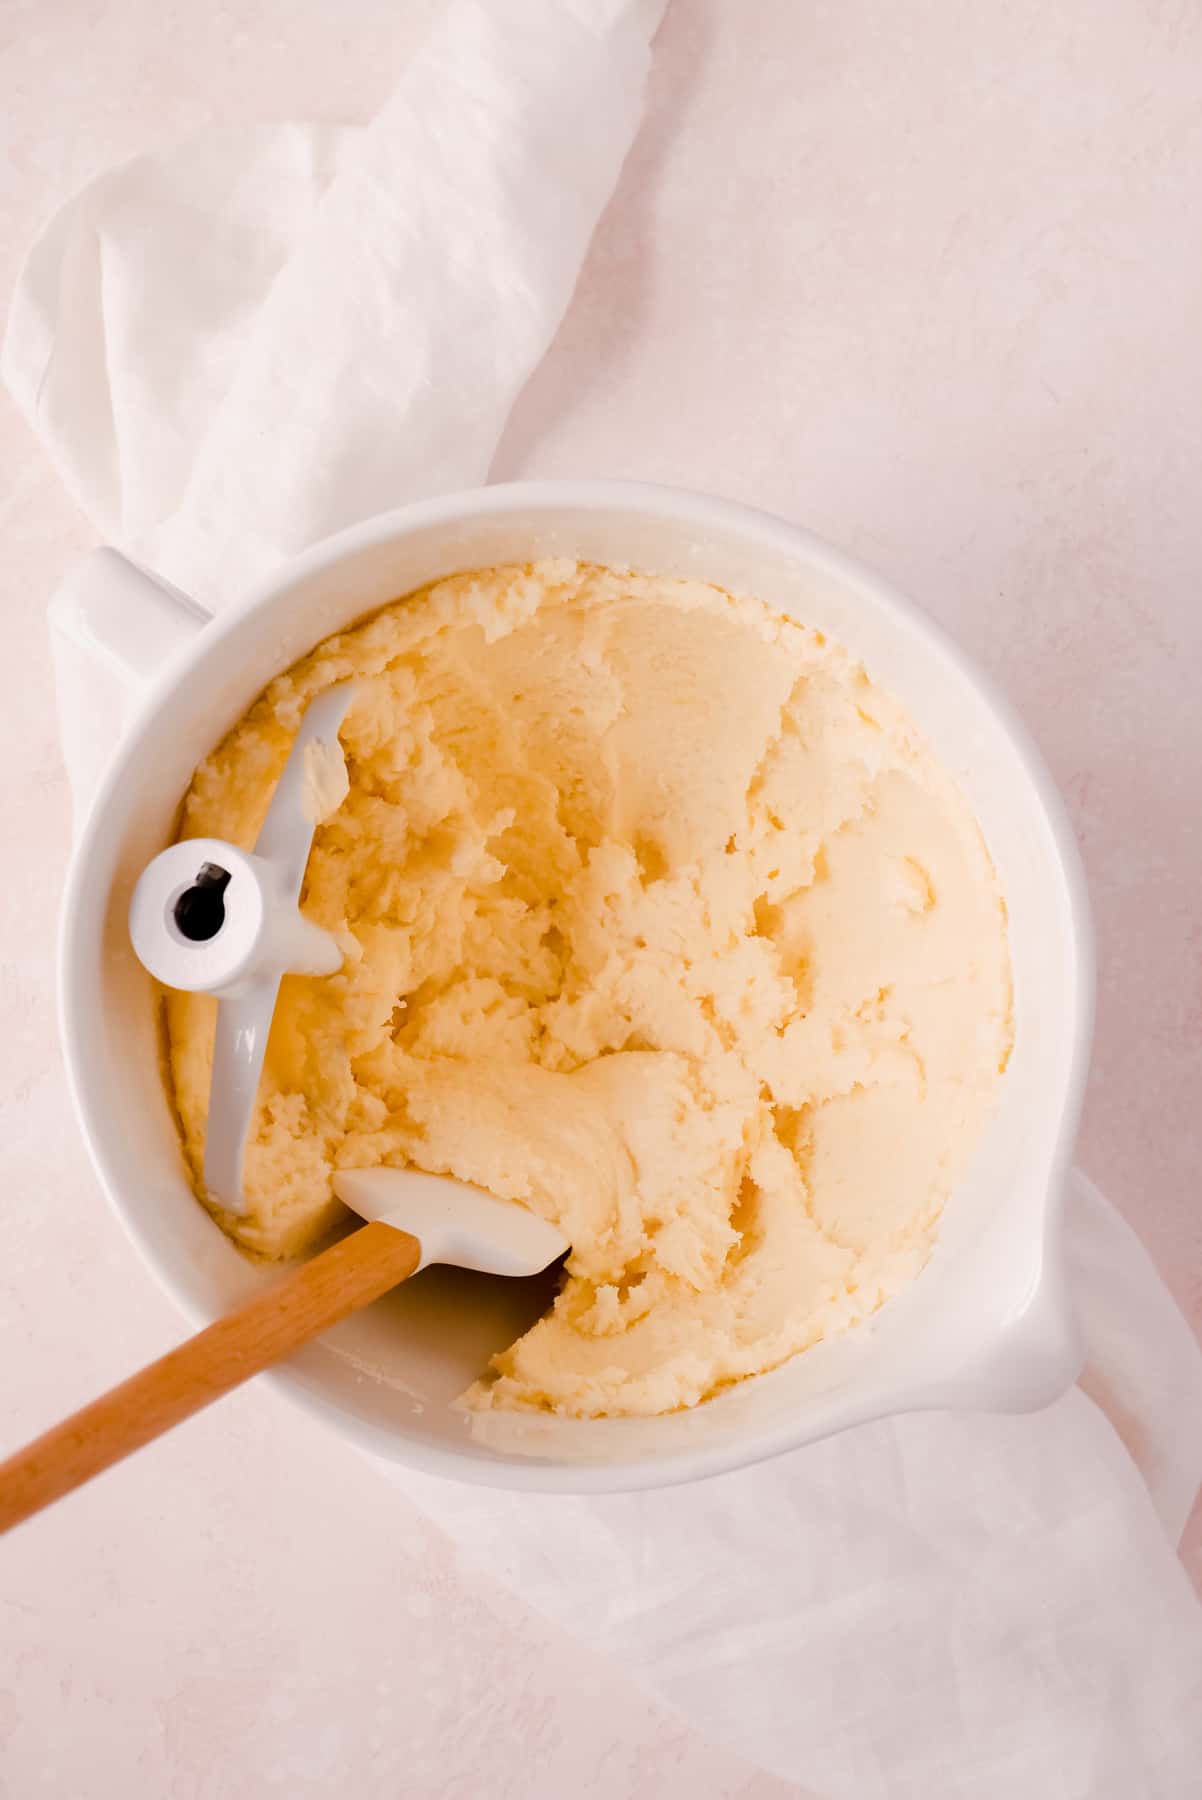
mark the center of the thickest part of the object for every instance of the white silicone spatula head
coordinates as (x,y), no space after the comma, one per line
(453,1221)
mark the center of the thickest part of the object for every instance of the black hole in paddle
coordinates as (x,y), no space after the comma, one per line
(200,909)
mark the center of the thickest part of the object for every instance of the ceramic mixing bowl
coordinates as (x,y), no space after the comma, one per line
(987,1324)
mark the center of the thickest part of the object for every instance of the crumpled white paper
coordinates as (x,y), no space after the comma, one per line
(240,346)
(231,350)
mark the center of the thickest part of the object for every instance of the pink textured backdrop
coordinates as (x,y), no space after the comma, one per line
(924,277)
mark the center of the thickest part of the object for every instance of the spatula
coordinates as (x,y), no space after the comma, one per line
(413,1219)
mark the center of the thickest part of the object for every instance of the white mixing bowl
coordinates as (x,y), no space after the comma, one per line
(986,1325)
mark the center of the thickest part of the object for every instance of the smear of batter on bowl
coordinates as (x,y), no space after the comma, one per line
(658,918)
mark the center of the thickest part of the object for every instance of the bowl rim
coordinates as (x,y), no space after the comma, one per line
(658,502)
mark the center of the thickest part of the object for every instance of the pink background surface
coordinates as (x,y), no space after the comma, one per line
(923,278)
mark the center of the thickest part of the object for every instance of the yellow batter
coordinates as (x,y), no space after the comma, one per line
(658,918)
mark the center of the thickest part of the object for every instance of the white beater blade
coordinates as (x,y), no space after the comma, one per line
(209,918)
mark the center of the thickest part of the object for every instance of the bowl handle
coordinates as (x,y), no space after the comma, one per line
(124,619)
(1028,1363)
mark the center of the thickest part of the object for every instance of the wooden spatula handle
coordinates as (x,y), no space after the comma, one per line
(271,1326)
